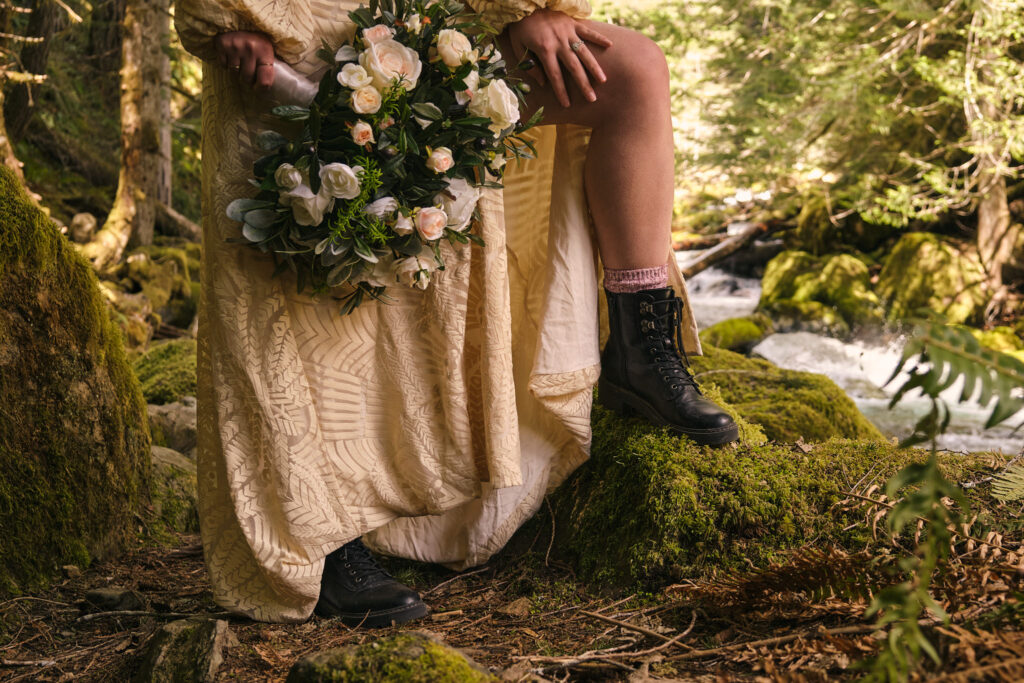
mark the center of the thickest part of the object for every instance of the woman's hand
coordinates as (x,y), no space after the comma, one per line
(250,54)
(559,42)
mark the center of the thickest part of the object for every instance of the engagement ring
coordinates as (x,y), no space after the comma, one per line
(576,45)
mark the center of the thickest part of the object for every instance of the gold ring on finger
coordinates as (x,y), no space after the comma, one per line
(236,67)
(576,45)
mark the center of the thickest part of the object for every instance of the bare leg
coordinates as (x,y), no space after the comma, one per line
(630,162)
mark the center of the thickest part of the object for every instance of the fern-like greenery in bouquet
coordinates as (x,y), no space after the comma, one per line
(413,117)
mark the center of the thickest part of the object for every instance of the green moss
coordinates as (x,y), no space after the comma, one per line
(173,495)
(738,334)
(1004,339)
(927,273)
(74,457)
(650,507)
(787,404)
(402,658)
(828,294)
(167,371)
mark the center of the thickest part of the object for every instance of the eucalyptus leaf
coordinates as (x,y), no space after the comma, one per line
(237,209)
(262,219)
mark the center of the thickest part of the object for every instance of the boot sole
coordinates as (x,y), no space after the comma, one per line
(377,619)
(626,403)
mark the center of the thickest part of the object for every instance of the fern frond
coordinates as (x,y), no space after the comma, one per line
(1008,485)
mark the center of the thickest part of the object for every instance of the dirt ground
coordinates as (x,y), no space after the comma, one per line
(524,619)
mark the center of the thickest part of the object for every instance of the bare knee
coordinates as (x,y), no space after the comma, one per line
(637,70)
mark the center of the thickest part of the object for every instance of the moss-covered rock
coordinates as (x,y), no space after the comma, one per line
(788,404)
(403,658)
(830,294)
(738,334)
(74,451)
(167,371)
(925,272)
(187,650)
(173,492)
(650,507)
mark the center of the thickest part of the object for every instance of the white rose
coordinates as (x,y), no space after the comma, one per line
(495,55)
(415,271)
(382,207)
(340,180)
(497,102)
(453,47)
(472,82)
(440,160)
(366,100)
(362,133)
(354,76)
(307,208)
(498,162)
(389,60)
(287,176)
(346,53)
(403,225)
(458,200)
(376,34)
(413,23)
(431,222)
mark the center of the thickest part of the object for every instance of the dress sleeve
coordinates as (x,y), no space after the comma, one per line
(500,13)
(289,24)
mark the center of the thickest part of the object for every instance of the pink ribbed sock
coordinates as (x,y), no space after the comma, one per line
(633,280)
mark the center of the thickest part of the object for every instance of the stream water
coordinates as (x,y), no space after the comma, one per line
(860,367)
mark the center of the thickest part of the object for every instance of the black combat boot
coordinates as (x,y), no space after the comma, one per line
(355,588)
(643,373)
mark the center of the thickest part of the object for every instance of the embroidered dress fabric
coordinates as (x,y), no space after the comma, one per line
(433,425)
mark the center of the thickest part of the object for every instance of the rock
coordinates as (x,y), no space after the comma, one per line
(174,425)
(174,490)
(115,599)
(926,272)
(167,371)
(829,294)
(738,334)
(185,651)
(403,658)
(74,451)
(83,226)
(71,571)
(517,608)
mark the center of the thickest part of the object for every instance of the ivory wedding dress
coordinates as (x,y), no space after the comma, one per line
(433,425)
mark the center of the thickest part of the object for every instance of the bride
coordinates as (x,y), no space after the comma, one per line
(432,427)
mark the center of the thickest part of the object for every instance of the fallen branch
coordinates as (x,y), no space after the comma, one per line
(173,223)
(733,244)
(700,242)
(162,615)
(626,625)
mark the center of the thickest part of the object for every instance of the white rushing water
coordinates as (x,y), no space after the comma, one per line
(861,368)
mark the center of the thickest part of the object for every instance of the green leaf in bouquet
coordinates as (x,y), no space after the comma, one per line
(302,163)
(240,207)
(407,245)
(321,245)
(475,239)
(314,122)
(533,120)
(255,234)
(428,110)
(291,112)
(471,121)
(270,140)
(262,219)
(363,251)
(340,274)
(325,54)
(362,17)
(314,173)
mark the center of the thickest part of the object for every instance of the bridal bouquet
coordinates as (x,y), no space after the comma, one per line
(413,117)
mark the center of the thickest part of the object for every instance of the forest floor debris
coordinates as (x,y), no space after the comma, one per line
(526,621)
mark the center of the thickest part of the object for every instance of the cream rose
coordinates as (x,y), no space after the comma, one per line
(497,102)
(389,60)
(458,200)
(440,160)
(362,133)
(340,180)
(413,24)
(366,100)
(415,271)
(287,177)
(453,47)
(376,34)
(403,225)
(307,208)
(354,76)
(472,82)
(431,222)
(498,162)
(382,207)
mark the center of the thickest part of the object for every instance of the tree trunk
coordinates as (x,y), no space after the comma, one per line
(19,105)
(144,91)
(997,237)
(7,156)
(105,31)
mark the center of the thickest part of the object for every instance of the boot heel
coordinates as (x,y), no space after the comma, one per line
(612,399)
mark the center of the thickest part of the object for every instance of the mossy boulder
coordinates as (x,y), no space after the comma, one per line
(173,493)
(832,294)
(167,371)
(402,658)
(787,404)
(738,334)
(925,272)
(189,650)
(650,508)
(74,455)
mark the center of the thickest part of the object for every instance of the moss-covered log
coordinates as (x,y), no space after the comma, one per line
(74,452)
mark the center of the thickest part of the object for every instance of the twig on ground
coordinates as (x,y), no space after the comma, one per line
(457,577)
(628,626)
(162,615)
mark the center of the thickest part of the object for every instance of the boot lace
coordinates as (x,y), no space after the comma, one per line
(661,326)
(359,563)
